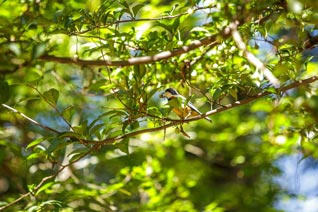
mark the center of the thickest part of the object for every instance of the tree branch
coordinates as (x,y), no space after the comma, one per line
(173,122)
(212,112)
(30,119)
(135,60)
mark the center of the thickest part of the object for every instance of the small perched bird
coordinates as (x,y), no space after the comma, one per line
(177,102)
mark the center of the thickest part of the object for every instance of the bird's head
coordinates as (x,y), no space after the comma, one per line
(169,93)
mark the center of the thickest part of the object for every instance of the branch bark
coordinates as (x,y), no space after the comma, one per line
(135,60)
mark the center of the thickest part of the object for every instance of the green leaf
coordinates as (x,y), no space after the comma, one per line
(51,96)
(155,111)
(216,94)
(69,135)
(77,154)
(44,187)
(33,75)
(112,113)
(96,129)
(35,142)
(123,145)
(38,50)
(15,48)
(68,22)
(68,112)
(271,90)
(176,24)
(135,9)
(165,26)
(56,144)
(4,91)
(124,3)
(34,156)
(52,202)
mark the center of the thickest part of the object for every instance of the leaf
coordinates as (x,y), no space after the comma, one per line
(96,86)
(35,142)
(34,156)
(176,24)
(68,112)
(38,50)
(125,4)
(44,187)
(233,93)
(200,29)
(155,111)
(33,75)
(55,145)
(51,202)
(68,22)
(51,96)
(124,146)
(135,9)
(216,94)
(15,48)
(83,127)
(114,113)
(165,26)
(96,130)
(126,8)
(271,90)
(26,99)
(69,135)
(77,154)
(4,91)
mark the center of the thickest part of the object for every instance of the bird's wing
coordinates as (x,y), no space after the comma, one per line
(193,108)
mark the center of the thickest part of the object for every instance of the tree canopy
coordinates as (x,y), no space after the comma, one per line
(82,127)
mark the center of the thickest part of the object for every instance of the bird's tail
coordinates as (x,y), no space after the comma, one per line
(208,119)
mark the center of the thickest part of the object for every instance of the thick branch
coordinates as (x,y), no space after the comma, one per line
(135,60)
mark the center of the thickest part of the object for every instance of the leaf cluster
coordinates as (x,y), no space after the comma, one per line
(82,126)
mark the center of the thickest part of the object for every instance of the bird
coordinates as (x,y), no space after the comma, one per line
(177,102)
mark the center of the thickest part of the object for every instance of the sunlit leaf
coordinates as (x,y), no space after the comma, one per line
(35,142)
(77,154)
(38,50)
(44,187)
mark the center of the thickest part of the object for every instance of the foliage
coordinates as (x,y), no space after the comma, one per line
(82,127)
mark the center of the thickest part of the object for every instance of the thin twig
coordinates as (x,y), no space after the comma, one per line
(30,119)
